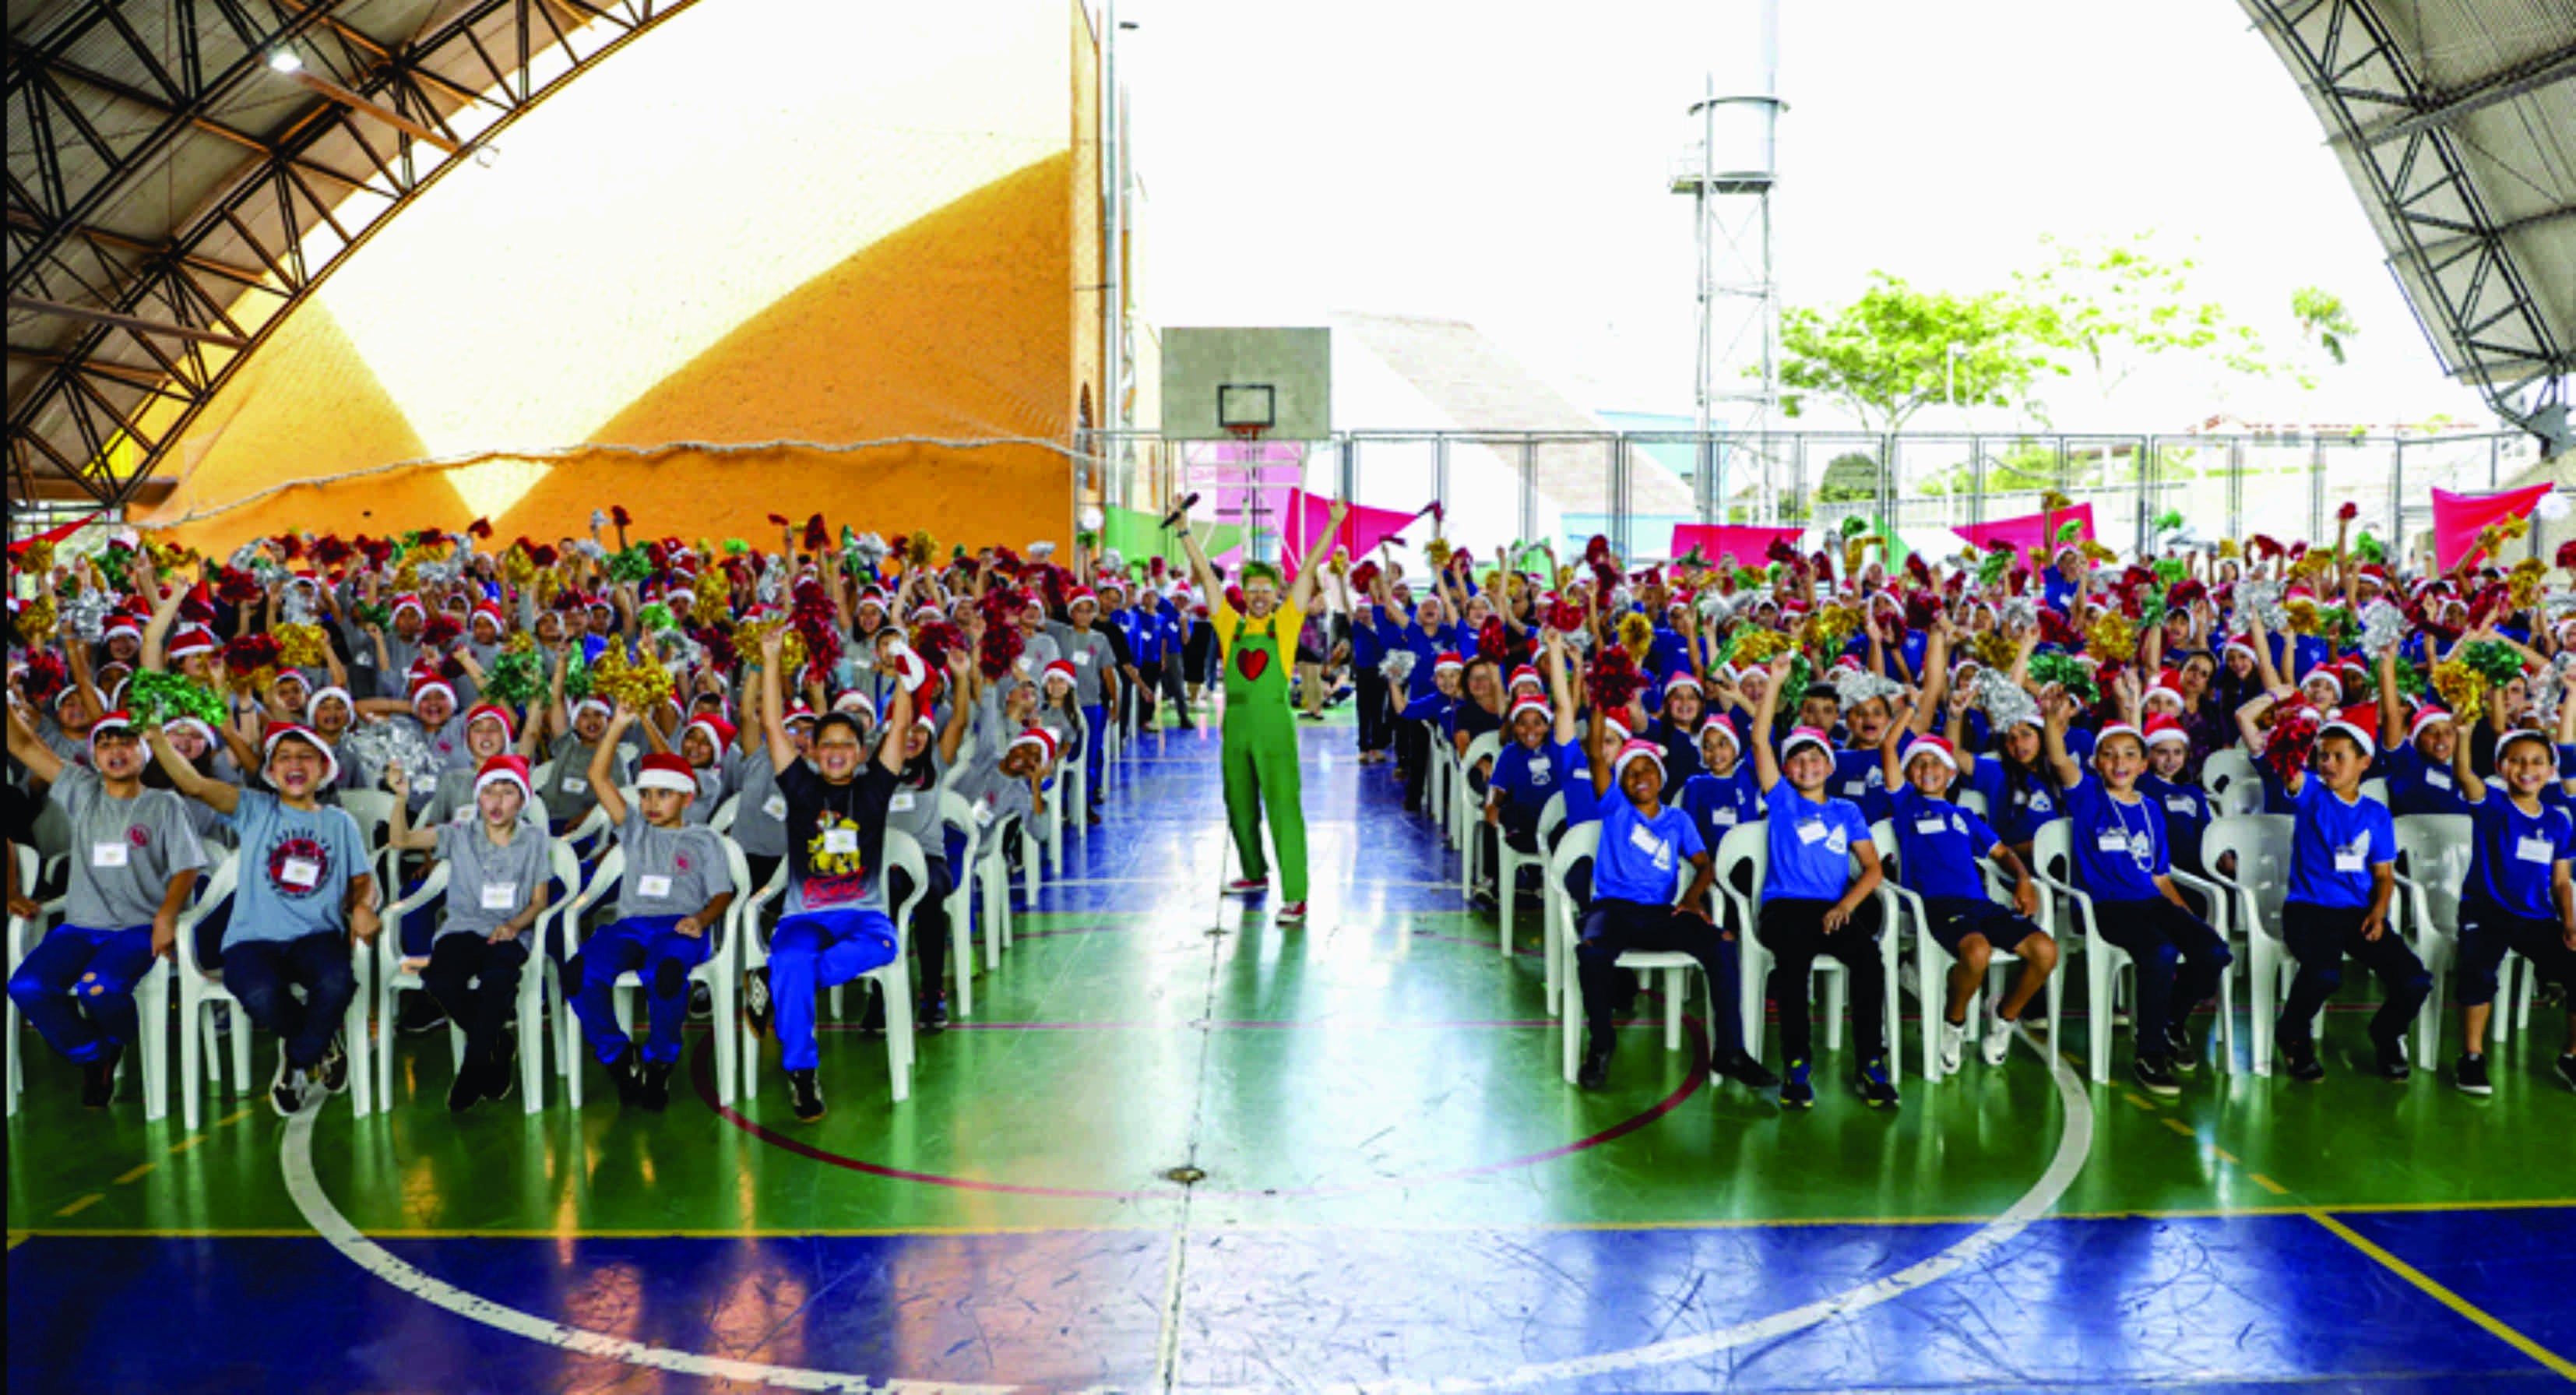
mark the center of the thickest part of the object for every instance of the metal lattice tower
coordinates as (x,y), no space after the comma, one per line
(1728,173)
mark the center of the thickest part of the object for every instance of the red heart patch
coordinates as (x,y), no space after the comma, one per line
(1253,662)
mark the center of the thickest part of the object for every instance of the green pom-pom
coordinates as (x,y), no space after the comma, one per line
(517,678)
(2066,672)
(2497,662)
(112,563)
(1854,526)
(2072,531)
(656,618)
(631,565)
(1992,567)
(2171,571)
(2368,549)
(2170,521)
(375,613)
(157,698)
(576,678)
(1747,579)
(1793,689)
(736,547)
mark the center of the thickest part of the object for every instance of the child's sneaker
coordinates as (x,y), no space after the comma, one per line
(1996,1048)
(2300,1060)
(1873,1084)
(2392,1059)
(1954,1039)
(1294,913)
(2470,1074)
(2154,1076)
(286,1089)
(2182,1054)
(805,1095)
(1247,886)
(1797,1092)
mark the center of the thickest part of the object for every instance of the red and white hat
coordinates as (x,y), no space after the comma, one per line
(1447,663)
(1632,750)
(2167,686)
(2428,717)
(1079,594)
(1526,674)
(1041,738)
(856,704)
(875,596)
(122,622)
(486,712)
(119,720)
(1683,679)
(1806,736)
(191,639)
(1716,722)
(425,685)
(506,769)
(1937,747)
(720,733)
(403,602)
(2162,730)
(283,730)
(2112,729)
(666,771)
(2363,739)
(1058,669)
(491,612)
(1529,703)
(592,704)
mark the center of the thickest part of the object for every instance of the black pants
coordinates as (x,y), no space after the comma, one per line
(2320,936)
(477,981)
(2487,933)
(1794,932)
(1413,749)
(1611,928)
(930,928)
(2178,959)
(1375,717)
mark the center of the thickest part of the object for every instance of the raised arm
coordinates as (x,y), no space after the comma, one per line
(214,794)
(1766,761)
(773,712)
(960,665)
(2057,709)
(398,830)
(1561,688)
(603,765)
(31,751)
(1301,593)
(2392,718)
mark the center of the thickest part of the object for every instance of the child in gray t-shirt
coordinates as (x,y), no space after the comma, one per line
(499,862)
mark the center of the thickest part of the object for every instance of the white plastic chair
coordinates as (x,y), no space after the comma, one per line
(2257,885)
(151,1053)
(718,971)
(200,990)
(955,814)
(1743,864)
(725,813)
(2233,786)
(1471,805)
(1975,802)
(1507,876)
(893,980)
(1932,962)
(2052,857)
(396,971)
(2434,852)
(1585,842)
(373,809)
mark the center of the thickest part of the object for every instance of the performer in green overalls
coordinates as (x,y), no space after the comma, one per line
(1260,750)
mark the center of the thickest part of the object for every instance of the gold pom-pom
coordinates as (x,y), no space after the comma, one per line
(1855,548)
(2229,549)
(37,621)
(638,684)
(1565,576)
(168,556)
(2305,617)
(2051,501)
(2095,552)
(302,646)
(1636,633)
(517,567)
(2112,638)
(921,549)
(1758,647)
(1437,553)
(1994,650)
(1830,626)
(713,594)
(2523,582)
(791,650)
(2463,689)
(38,558)
(255,680)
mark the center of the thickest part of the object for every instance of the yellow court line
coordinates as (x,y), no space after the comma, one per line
(133,1172)
(2140,1101)
(2178,1126)
(2225,1156)
(2446,1298)
(183,1145)
(2268,1184)
(17,1238)
(237,1115)
(83,1204)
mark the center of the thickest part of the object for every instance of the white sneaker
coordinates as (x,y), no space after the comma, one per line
(1998,1043)
(1954,1036)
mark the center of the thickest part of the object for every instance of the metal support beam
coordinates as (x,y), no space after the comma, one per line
(2441,109)
(138,325)
(387,115)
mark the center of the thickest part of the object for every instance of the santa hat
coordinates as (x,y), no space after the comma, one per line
(1041,738)
(2359,737)
(2168,684)
(283,730)
(855,703)
(592,704)
(914,673)
(491,612)
(1632,750)
(1938,748)
(2112,729)
(1613,724)
(1078,595)
(2425,719)
(403,602)
(1806,736)
(665,771)
(118,720)
(2239,644)
(506,769)
(1058,669)
(1716,722)
(797,712)
(2162,729)
(1683,679)
(2527,734)
(424,686)
(487,711)
(720,733)
(122,622)
(192,639)
(875,596)
(1525,674)
(1447,663)
(1530,704)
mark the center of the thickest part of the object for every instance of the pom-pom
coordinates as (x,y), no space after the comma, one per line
(2496,662)
(1857,688)
(2304,617)
(37,621)
(815,621)
(866,554)
(1992,567)
(2567,555)
(234,586)
(637,683)
(2006,702)
(480,527)
(2292,736)
(2261,598)
(1565,616)
(250,662)
(2523,582)
(370,749)
(711,598)
(2056,629)
(2383,627)
(1854,526)
(2462,688)
(1994,650)
(518,676)
(2347,513)
(1756,647)
(2170,521)
(1636,633)
(618,515)
(937,640)
(2068,672)
(2051,501)
(2112,638)
(1615,679)
(302,646)
(1363,577)
(44,676)
(630,565)
(156,699)
(1397,666)
(920,550)
(439,632)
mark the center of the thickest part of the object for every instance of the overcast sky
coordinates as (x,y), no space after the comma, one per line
(1505,164)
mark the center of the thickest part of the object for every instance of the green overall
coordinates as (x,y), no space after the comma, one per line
(1261,755)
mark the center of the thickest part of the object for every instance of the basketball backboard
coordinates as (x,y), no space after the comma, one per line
(1277,383)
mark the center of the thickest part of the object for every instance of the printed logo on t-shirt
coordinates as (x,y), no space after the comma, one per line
(836,872)
(298,866)
(2355,855)
(138,835)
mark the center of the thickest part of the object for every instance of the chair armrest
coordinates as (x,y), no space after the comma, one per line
(2082,901)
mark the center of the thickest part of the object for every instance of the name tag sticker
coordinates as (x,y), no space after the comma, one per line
(2351,860)
(901,803)
(983,815)
(1645,842)
(1723,818)
(2438,779)
(2535,850)
(1811,832)
(2112,840)
(574,784)
(774,806)
(653,886)
(1933,824)
(301,873)
(840,842)
(500,896)
(2179,803)
(1540,767)
(1083,658)
(108,854)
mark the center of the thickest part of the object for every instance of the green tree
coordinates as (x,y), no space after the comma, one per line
(1889,354)
(2323,320)
(2112,307)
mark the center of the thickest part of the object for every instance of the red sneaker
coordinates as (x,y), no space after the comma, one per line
(1294,913)
(1247,886)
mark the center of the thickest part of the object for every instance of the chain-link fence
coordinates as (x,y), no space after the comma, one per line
(1634,487)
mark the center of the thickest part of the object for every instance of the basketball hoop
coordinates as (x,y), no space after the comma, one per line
(1246,430)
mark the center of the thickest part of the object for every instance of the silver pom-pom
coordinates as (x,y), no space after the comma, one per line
(1112,561)
(1716,608)
(772,588)
(2006,702)
(2019,613)
(598,519)
(1040,551)
(2262,598)
(2383,627)
(1397,665)
(297,608)
(85,616)
(1858,688)
(245,557)
(440,573)
(869,551)
(590,548)
(375,747)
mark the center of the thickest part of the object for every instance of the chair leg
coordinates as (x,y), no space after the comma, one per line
(1675,989)
(1569,1022)
(1836,990)
(899,1034)
(2097,1002)
(728,1064)
(532,1049)
(1929,980)
(153,1002)
(192,1046)
(961,954)
(1547,940)
(1504,877)
(2264,980)
(242,1082)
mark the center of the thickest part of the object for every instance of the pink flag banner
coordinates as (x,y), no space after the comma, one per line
(1716,541)
(1363,528)
(2028,531)
(2458,517)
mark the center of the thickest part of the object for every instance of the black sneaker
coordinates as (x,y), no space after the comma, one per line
(805,1095)
(334,1067)
(2154,1075)
(702,1003)
(2565,1065)
(98,1078)
(286,1089)
(1743,1067)
(1596,1066)
(2182,1054)
(624,1074)
(755,1000)
(2392,1059)
(931,1017)
(2470,1074)
(1874,1085)
(466,1091)
(653,1085)
(419,1013)
(2300,1060)
(501,1073)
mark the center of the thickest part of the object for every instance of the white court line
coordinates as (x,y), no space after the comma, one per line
(2074,1143)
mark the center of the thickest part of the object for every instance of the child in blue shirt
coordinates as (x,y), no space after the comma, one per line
(1937,847)
(1721,798)
(1812,905)
(2418,753)
(2518,897)
(2123,862)
(2185,806)
(1643,843)
(1539,763)
(2343,872)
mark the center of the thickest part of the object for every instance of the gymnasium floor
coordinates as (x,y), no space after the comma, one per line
(1396,1192)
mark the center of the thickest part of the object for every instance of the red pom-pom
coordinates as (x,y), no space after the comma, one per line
(817,536)
(1781,551)
(1597,550)
(2567,554)
(481,527)
(2185,593)
(722,655)
(1364,577)
(1234,598)
(439,632)
(1918,569)
(2264,547)
(543,556)
(330,551)
(2347,513)
(2293,735)
(43,677)
(1921,610)
(1492,640)
(2056,629)
(291,546)
(199,608)
(778,520)
(936,641)
(1614,679)
(251,653)
(618,515)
